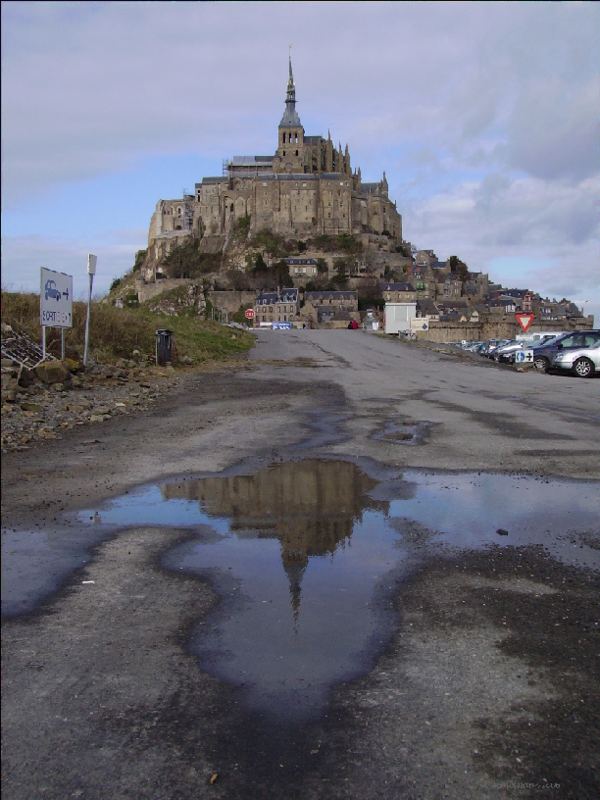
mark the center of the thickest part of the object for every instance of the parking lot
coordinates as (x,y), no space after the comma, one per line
(352,568)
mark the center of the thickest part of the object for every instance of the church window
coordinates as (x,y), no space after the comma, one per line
(283,140)
(284,152)
(296,152)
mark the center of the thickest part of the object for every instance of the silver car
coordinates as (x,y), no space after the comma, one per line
(584,362)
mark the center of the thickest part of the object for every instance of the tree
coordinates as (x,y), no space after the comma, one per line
(458,267)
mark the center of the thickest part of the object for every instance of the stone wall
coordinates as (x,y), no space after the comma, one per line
(505,327)
(293,206)
(230,301)
(146,291)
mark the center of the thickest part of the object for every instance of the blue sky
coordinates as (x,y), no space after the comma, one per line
(484,116)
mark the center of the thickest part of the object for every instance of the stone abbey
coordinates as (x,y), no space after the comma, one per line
(305,189)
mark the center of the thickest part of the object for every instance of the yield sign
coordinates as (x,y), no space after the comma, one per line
(525,320)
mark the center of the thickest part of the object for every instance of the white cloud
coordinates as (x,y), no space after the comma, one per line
(488,111)
(553,226)
(23,256)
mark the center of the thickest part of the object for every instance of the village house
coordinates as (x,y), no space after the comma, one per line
(278,306)
(449,287)
(302,267)
(327,306)
(398,292)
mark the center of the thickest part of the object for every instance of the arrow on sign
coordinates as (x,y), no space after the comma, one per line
(525,320)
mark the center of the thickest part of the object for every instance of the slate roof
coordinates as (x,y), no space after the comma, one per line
(397,287)
(251,161)
(271,298)
(290,118)
(427,307)
(447,305)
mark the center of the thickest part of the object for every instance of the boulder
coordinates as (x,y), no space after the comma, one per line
(26,378)
(52,372)
(33,407)
(73,365)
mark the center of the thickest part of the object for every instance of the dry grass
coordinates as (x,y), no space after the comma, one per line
(116,332)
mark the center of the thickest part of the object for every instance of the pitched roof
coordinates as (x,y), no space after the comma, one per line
(251,161)
(397,287)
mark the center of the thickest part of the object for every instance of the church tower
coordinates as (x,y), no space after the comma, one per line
(290,146)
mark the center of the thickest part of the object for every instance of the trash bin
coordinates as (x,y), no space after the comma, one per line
(163,346)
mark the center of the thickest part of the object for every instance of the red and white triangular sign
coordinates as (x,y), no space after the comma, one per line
(525,320)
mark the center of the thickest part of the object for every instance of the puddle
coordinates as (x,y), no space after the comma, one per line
(407,432)
(306,557)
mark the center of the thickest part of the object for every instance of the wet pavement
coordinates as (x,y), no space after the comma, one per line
(306,557)
(338,615)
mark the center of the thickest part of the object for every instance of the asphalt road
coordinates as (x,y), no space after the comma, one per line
(453,502)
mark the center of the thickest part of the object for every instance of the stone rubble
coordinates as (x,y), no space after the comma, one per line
(41,404)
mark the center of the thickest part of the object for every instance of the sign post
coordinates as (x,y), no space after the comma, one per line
(91,270)
(56,304)
(249,314)
(525,319)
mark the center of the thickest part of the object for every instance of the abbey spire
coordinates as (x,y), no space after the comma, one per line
(290,117)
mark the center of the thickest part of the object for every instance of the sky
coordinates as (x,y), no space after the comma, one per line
(483,115)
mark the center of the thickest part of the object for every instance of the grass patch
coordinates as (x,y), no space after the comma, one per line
(116,332)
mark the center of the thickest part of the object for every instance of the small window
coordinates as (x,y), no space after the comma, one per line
(296,152)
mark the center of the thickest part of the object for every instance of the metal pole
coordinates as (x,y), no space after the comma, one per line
(62,343)
(87,323)
(43,341)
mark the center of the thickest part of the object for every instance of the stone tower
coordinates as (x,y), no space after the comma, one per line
(290,140)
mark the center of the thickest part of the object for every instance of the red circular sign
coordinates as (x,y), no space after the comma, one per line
(249,313)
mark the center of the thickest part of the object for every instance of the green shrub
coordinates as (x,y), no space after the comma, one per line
(115,283)
(259,264)
(344,242)
(242,227)
(270,242)
(139,259)
(186,261)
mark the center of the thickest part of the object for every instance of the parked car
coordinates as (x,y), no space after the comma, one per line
(473,347)
(544,353)
(507,352)
(584,362)
(492,346)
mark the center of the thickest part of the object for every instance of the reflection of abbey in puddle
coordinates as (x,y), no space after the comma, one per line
(310,506)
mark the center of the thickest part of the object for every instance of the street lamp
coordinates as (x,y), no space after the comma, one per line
(91,270)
